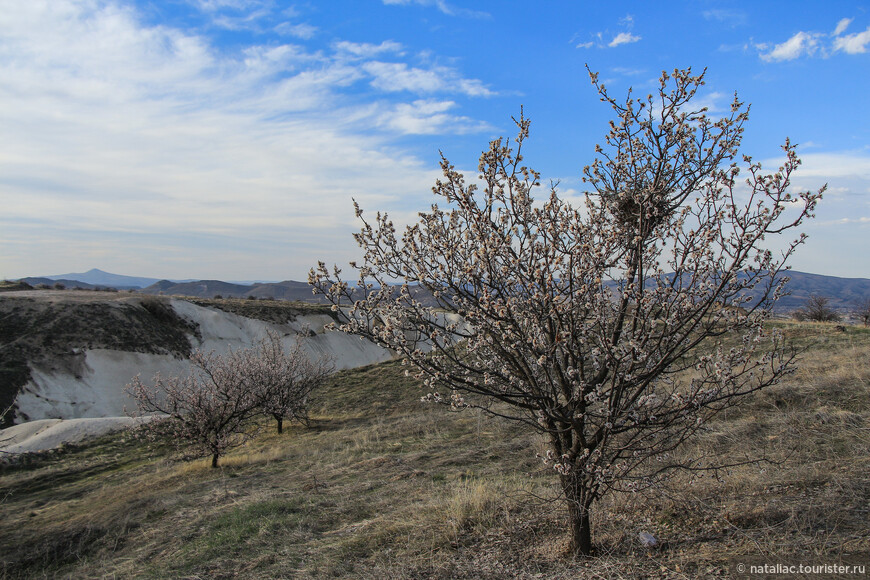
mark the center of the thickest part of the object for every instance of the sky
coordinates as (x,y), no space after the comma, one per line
(226,139)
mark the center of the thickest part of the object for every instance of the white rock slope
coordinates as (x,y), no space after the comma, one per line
(95,388)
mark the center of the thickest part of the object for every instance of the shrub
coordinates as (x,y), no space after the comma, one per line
(816,309)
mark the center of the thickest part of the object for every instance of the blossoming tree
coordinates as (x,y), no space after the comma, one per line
(286,378)
(209,408)
(616,329)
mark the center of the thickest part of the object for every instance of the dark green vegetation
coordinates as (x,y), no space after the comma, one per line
(12,285)
(384,486)
(287,290)
(275,311)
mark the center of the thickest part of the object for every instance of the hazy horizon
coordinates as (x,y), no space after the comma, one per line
(275,281)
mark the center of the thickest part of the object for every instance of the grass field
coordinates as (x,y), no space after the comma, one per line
(383,486)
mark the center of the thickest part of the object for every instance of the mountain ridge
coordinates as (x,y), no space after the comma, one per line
(97,277)
(843,293)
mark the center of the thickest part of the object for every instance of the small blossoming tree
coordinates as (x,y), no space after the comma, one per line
(208,409)
(616,329)
(285,378)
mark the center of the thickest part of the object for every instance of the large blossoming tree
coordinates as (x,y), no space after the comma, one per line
(616,329)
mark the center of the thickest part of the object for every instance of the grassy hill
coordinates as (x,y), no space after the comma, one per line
(384,486)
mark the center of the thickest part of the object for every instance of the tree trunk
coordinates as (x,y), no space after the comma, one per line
(579,515)
(214,460)
(280,424)
(581,529)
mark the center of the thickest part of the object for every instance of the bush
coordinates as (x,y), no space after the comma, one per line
(862,311)
(816,309)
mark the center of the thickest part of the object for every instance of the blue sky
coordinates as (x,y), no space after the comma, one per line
(225,138)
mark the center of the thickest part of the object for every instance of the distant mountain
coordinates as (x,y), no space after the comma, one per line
(100,278)
(843,293)
(66,283)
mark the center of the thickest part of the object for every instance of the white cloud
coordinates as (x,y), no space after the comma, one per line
(732,18)
(215,5)
(426,117)
(853,43)
(628,72)
(265,60)
(802,43)
(712,102)
(394,76)
(122,139)
(844,164)
(366,50)
(623,38)
(811,43)
(832,233)
(302,30)
(248,21)
(842,25)
(597,38)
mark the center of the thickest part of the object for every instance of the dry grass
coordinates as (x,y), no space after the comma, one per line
(384,487)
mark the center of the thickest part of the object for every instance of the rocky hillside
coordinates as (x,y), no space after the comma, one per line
(288,290)
(69,354)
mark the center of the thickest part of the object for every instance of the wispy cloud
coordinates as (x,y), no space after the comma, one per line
(396,76)
(860,220)
(805,44)
(237,15)
(215,5)
(800,44)
(732,18)
(623,38)
(442,6)
(426,117)
(628,72)
(842,25)
(121,135)
(302,30)
(597,39)
(853,43)
(366,50)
